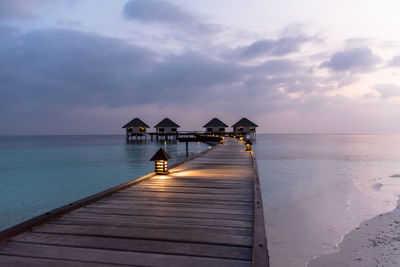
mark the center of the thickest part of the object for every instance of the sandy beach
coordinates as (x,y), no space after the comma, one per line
(376,242)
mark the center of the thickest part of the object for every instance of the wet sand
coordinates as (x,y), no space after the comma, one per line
(375,242)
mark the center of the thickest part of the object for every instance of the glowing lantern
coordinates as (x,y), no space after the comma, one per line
(160,159)
(241,139)
(248,145)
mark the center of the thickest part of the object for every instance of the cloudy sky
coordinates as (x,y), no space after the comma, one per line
(89,66)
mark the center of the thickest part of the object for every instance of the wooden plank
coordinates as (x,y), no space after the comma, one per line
(199,176)
(115,222)
(247,208)
(204,209)
(231,170)
(224,175)
(184,200)
(204,180)
(16,261)
(199,236)
(193,190)
(191,221)
(203,184)
(218,178)
(113,256)
(173,184)
(228,163)
(166,213)
(239,198)
(138,245)
(220,160)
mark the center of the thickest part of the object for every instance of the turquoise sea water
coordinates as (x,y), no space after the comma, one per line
(40,173)
(316,188)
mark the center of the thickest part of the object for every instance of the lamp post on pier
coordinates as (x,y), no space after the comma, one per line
(160,159)
(248,145)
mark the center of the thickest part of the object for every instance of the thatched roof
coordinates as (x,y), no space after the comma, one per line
(243,122)
(136,122)
(160,155)
(167,123)
(215,123)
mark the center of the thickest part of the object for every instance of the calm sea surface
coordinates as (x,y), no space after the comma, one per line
(41,173)
(316,188)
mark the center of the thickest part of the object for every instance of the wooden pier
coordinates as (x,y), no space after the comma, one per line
(189,136)
(206,212)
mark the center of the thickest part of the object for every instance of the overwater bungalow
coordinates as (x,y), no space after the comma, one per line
(215,126)
(245,127)
(136,127)
(166,126)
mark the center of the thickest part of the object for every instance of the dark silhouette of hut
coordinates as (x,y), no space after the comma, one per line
(244,127)
(215,126)
(136,127)
(166,126)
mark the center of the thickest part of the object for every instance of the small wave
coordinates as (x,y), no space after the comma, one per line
(395,176)
(377,186)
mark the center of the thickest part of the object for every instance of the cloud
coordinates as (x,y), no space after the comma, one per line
(18,9)
(7,32)
(360,59)
(271,47)
(48,74)
(372,95)
(58,69)
(69,67)
(388,90)
(69,23)
(74,68)
(166,13)
(395,62)
(51,77)
(155,11)
(190,72)
(277,66)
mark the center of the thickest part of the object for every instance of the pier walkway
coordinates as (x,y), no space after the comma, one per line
(207,212)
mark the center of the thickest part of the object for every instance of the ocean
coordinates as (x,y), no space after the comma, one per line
(40,173)
(315,188)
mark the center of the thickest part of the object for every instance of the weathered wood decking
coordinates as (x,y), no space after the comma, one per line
(205,213)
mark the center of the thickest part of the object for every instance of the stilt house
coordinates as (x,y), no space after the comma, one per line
(136,127)
(244,127)
(215,126)
(166,126)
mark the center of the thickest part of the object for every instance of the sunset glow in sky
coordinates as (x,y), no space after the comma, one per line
(89,66)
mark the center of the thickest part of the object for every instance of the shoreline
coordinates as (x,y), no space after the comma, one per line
(375,242)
